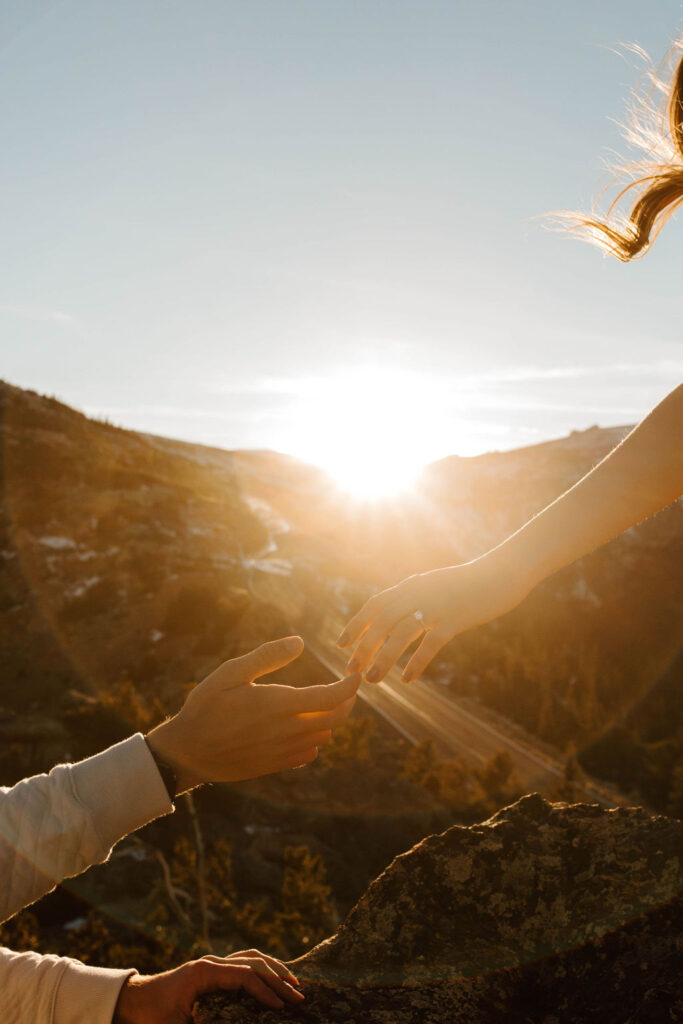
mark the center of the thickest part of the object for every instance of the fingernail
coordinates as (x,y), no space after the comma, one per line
(293,642)
(373,675)
(342,639)
(407,677)
(352,665)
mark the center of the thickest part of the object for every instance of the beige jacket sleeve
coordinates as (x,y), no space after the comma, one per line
(52,827)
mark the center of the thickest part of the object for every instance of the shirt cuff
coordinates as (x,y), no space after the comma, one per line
(88,993)
(121,788)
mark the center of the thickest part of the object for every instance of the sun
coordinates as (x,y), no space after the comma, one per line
(373,429)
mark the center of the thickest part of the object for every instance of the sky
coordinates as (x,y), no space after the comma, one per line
(318,225)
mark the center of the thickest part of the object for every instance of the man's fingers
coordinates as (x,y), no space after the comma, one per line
(406,631)
(208,975)
(257,987)
(324,697)
(266,658)
(281,969)
(297,759)
(428,649)
(324,719)
(265,967)
(304,739)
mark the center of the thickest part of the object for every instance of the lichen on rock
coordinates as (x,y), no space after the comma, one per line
(545,912)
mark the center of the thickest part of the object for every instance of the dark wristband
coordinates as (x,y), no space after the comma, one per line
(167,774)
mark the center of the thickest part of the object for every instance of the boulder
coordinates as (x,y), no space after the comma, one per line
(545,913)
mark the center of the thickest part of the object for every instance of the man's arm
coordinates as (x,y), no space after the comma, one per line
(56,990)
(55,826)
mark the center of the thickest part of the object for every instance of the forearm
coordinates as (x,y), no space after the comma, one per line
(642,475)
(54,826)
(56,990)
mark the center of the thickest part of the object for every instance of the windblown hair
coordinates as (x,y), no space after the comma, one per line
(656,188)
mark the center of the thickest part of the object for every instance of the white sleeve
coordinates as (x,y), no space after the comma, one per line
(55,826)
(38,989)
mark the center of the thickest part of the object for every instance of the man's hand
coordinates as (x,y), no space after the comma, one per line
(230,728)
(168,998)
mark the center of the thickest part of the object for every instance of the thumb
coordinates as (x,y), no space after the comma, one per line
(266,658)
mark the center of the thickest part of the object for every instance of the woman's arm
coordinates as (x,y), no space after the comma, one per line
(640,476)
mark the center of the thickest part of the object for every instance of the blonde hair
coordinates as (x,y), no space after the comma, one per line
(657,185)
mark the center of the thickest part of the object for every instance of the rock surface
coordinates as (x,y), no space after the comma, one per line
(546,913)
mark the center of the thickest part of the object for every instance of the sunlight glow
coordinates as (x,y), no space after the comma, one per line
(372,428)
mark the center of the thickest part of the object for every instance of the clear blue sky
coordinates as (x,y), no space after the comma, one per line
(213,210)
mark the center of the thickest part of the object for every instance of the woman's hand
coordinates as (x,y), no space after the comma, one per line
(231,728)
(167,998)
(447,602)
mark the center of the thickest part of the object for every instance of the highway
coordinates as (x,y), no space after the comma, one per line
(420,712)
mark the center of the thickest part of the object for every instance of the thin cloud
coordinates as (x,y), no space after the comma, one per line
(305,386)
(539,373)
(37,314)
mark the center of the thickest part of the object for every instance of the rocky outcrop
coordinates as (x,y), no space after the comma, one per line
(546,913)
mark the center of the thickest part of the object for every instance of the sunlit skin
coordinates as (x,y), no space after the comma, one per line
(642,475)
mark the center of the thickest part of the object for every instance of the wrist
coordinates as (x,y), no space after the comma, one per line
(128,1009)
(165,746)
(511,563)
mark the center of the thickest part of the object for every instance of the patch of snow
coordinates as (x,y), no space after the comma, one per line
(265,513)
(274,566)
(85,556)
(156,635)
(7,555)
(85,585)
(584,592)
(58,543)
(254,830)
(74,925)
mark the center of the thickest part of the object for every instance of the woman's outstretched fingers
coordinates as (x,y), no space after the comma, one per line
(408,630)
(428,649)
(356,626)
(373,638)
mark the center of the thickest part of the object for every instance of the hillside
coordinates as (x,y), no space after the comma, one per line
(133,559)
(127,567)
(589,663)
(131,565)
